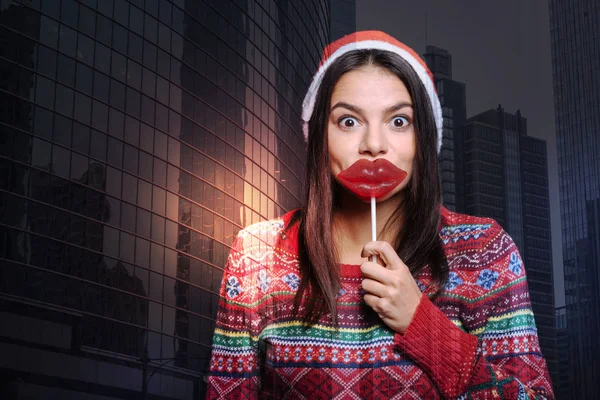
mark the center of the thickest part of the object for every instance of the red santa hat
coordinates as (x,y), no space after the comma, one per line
(372,40)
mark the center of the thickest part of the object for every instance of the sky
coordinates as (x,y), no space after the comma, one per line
(501,51)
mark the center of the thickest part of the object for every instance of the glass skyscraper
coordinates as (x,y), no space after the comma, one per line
(506,177)
(138,137)
(575,42)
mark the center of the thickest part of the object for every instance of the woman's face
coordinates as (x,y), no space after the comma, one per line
(371,117)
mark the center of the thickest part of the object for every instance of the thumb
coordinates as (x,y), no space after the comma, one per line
(373,254)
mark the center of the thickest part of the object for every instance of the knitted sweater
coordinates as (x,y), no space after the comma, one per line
(478,340)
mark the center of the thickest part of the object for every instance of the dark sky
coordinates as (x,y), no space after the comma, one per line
(501,51)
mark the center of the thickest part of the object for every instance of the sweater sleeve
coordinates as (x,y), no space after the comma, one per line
(234,364)
(500,359)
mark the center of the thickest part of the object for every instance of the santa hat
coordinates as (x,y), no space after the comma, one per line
(372,40)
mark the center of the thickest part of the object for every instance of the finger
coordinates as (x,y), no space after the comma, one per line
(371,301)
(374,258)
(386,253)
(375,288)
(375,271)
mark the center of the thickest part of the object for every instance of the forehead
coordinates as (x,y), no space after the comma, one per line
(371,87)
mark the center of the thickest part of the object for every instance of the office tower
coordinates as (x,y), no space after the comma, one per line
(343,18)
(506,178)
(138,137)
(452,96)
(575,45)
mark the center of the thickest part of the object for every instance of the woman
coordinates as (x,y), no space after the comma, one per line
(442,312)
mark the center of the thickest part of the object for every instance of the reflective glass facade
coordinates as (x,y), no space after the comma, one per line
(138,137)
(575,43)
(507,179)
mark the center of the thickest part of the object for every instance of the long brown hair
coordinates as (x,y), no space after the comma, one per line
(420,209)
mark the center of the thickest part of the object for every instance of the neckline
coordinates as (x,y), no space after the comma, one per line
(350,271)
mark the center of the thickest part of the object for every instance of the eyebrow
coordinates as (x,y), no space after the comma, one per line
(358,110)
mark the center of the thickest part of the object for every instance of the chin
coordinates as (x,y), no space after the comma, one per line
(396,194)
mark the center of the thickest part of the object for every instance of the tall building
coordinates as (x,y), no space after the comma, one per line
(343,18)
(506,178)
(575,44)
(137,138)
(453,99)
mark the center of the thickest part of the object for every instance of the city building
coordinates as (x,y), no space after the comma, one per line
(452,96)
(575,45)
(138,137)
(506,178)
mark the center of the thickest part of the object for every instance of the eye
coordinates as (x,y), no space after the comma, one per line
(348,122)
(399,122)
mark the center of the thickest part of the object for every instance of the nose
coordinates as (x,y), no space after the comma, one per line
(374,141)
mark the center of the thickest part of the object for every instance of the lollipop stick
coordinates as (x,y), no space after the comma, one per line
(373,226)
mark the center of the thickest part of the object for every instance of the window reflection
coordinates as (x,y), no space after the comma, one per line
(62,130)
(64,100)
(87,21)
(115,152)
(85,50)
(163,64)
(61,160)
(144,194)
(100,116)
(136,46)
(130,159)
(83,105)
(102,58)
(171,234)
(126,247)
(156,286)
(119,39)
(44,94)
(143,222)
(158,202)
(130,188)
(154,323)
(150,55)
(49,31)
(41,153)
(68,41)
(145,166)
(142,252)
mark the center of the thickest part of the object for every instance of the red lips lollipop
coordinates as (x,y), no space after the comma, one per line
(372,179)
(368,179)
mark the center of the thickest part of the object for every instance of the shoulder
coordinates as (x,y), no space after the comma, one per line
(260,261)
(483,260)
(265,239)
(267,232)
(472,241)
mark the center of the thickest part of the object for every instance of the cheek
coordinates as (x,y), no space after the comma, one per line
(338,152)
(335,162)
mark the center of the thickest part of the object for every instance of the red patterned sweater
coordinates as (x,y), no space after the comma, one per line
(478,340)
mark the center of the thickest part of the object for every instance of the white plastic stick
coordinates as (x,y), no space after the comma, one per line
(373,226)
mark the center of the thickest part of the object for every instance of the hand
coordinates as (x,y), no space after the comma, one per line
(391,291)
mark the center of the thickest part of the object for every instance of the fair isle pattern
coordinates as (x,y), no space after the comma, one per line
(261,350)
